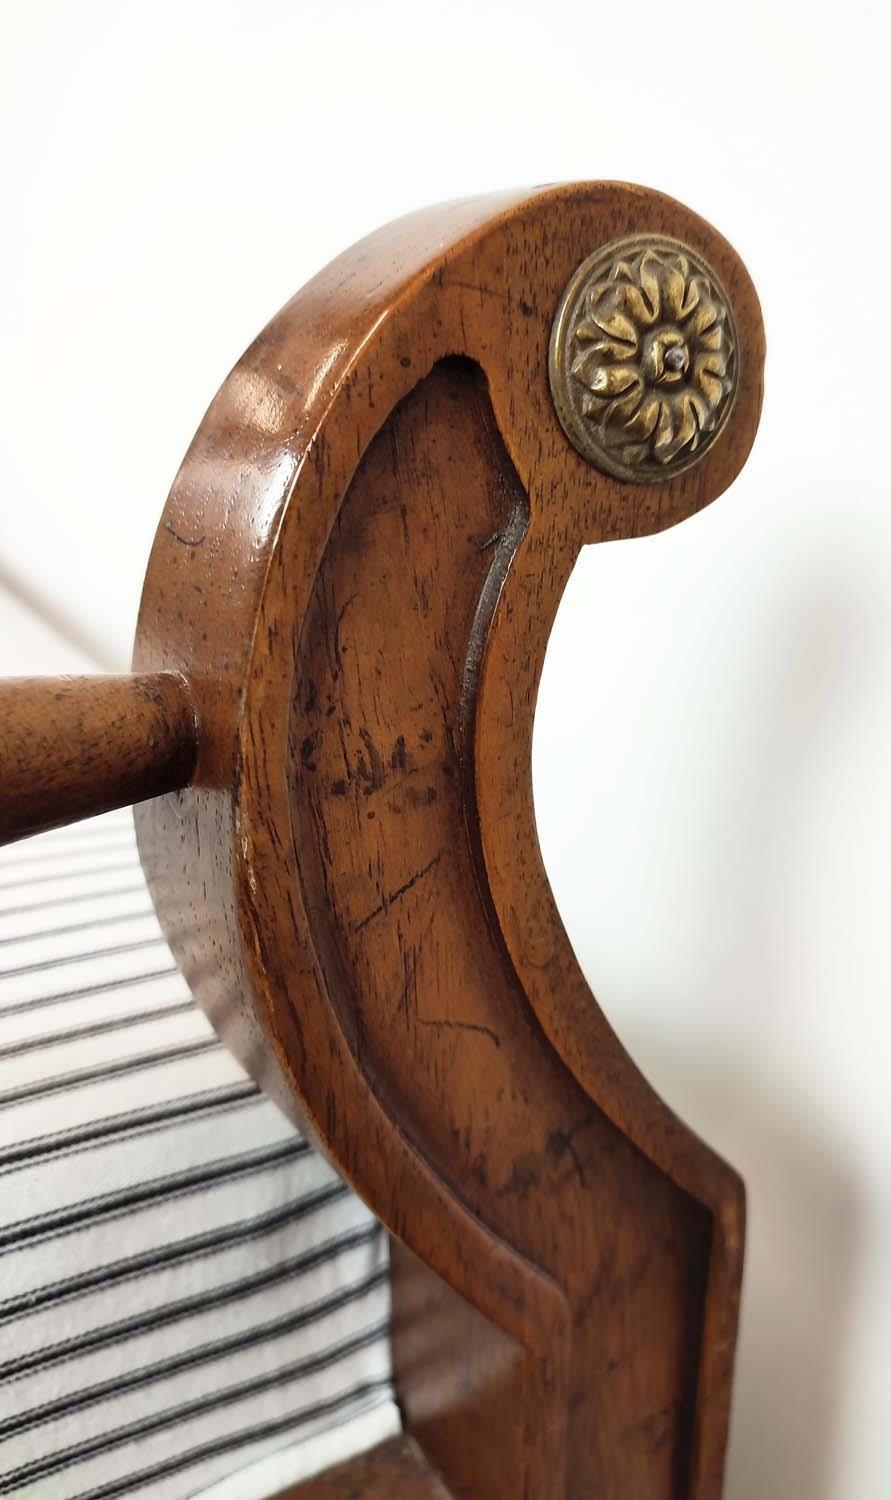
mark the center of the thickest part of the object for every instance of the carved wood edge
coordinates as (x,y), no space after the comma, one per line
(353,884)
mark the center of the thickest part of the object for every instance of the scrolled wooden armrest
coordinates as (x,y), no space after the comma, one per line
(351,591)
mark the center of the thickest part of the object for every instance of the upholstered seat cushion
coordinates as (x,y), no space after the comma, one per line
(186,1288)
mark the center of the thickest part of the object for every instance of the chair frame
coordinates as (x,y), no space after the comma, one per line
(334,680)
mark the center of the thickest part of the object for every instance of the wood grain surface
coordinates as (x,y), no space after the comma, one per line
(71,747)
(357,570)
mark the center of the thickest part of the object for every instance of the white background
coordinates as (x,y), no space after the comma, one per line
(714,727)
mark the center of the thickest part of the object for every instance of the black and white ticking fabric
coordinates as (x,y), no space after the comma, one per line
(191,1301)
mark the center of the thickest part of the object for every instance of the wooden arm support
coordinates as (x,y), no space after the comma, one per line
(357,571)
(71,747)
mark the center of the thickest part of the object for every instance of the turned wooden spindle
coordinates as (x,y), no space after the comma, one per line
(71,747)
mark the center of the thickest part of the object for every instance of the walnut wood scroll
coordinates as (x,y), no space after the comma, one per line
(357,572)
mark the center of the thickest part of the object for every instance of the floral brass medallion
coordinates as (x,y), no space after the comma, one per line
(643,360)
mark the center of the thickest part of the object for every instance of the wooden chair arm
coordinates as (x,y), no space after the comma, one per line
(356,574)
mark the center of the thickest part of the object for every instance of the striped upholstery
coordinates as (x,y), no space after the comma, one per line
(187,1291)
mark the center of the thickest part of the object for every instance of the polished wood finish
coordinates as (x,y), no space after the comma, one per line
(74,746)
(357,571)
(396,1470)
(358,568)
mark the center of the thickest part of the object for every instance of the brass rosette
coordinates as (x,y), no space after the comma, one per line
(644,360)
